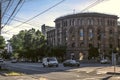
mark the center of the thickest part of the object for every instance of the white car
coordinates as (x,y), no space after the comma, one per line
(14,61)
(1,62)
(104,61)
(49,62)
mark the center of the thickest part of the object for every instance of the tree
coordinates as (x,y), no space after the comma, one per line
(93,52)
(29,44)
(2,42)
(59,52)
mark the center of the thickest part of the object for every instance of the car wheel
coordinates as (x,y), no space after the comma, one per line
(44,65)
(78,65)
(57,65)
(64,65)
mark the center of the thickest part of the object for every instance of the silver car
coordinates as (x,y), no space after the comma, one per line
(71,63)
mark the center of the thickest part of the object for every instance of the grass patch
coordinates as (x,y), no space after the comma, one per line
(12,73)
(6,72)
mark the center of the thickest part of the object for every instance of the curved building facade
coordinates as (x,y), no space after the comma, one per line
(80,31)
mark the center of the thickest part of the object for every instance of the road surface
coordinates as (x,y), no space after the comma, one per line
(36,70)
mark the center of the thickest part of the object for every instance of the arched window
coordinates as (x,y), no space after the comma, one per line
(70,22)
(73,45)
(111,33)
(82,22)
(99,21)
(90,33)
(71,30)
(90,22)
(99,34)
(81,44)
(81,34)
(73,37)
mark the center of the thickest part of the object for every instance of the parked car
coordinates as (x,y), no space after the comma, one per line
(49,62)
(104,61)
(1,62)
(71,63)
(14,61)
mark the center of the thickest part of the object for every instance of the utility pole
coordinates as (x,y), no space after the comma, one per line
(0,16)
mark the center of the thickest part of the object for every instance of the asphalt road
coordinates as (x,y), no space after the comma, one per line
(35,70)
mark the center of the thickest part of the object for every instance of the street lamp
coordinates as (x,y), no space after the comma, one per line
(114,58)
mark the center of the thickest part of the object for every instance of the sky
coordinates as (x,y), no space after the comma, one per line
(33,7)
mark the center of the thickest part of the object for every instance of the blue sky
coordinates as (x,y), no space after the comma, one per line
(33,7)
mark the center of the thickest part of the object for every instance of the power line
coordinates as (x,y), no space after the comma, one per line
(19,21)
(38,15)
(92,5)
(12,13)
(6,9)
(17,11)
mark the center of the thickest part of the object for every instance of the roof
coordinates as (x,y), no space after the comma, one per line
(92,14)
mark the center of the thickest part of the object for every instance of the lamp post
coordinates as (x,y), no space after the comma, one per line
(114,58)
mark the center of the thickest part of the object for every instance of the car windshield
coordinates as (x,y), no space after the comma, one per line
(1,59)
(72,61)
(51,59)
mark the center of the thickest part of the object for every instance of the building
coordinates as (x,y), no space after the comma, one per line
(51,37)
(82,30)
(45,29)
(119,34)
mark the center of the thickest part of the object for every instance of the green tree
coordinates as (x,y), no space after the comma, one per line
(93,52)
(59,52)
(2,42)
(29,44)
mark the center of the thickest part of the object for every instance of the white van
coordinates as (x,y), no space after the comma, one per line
(49,62)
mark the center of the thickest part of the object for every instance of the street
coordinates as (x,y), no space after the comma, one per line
(36,70)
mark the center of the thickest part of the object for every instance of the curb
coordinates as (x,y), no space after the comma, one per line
(113,73)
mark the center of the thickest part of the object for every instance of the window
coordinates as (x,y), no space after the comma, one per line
(90,33)
(73,37)
(78,21)
(73,22)
(111,46)
(81,44)
(73,45)
(81,34)
(70,22)
(71,30)
(90,22)
(113,23)
(110,32)
(82,22)
(58,25)
(99,21)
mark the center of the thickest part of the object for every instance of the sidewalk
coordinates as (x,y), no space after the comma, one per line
(102,71)
(109,70)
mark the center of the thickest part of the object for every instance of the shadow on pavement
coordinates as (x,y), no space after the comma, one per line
(107,78)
